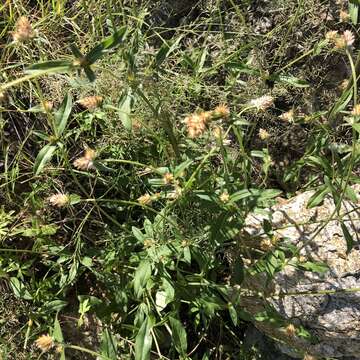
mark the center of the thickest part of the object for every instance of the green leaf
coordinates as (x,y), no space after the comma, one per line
(89,73)
(179,336)
(43,157)
(351,194)
(318,267)
(57,333)
(54,305)
(269,194)
(108,346)
(110,42)
(349,239)
(138,234)
(318,197)
(58,336)
(166,50)
(148,227)
(233,314)
(76,52)
(20,289)
(321,162)
(125,110)
(50,67)
(356,127)
(354,10)
(143,340)
(243,68)
(239,195)
(62,115)
(142,275)
(291,80)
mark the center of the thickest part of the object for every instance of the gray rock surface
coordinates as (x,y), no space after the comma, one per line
(332,317)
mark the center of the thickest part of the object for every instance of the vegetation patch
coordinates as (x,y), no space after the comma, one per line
(136,137)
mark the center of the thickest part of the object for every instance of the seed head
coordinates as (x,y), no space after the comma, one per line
(23,30)
(221,111)
(168,178)
(44,343)
(91,102)
(224,197)
(196,125)
(288,116)
(145,199)
(263,134)
(331,35)
(343,85)
(356,110)
(266,245)
(262,103)
(344,16)
(217,132)
(59,200)
(290,330)
(348,37)
(86,162)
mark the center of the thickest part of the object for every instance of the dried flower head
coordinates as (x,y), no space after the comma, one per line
(168,178)
(91,102)
(217,132)
(224,197)
(221,111)
(343,85)
(346,39)
(145,199)
(59,200)
(344,15)
(196,125)
(290,330)
(23,30)
(86,162)
(331,35)
(262,103)
(356,110)
(288,116)
(266,245)
(349,37)
(44,343)
(263,134)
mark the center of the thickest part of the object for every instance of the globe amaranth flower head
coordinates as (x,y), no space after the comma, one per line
(262,103)
(44,342)
(23,30)
(59,200)
(196,123)
(86,162)
(341,41)
(91,102)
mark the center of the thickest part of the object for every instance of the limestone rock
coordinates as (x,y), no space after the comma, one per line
(329,313)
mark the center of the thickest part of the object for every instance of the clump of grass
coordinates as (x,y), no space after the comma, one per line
(124,181)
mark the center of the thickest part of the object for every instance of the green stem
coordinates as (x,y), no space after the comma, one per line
(79,348)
